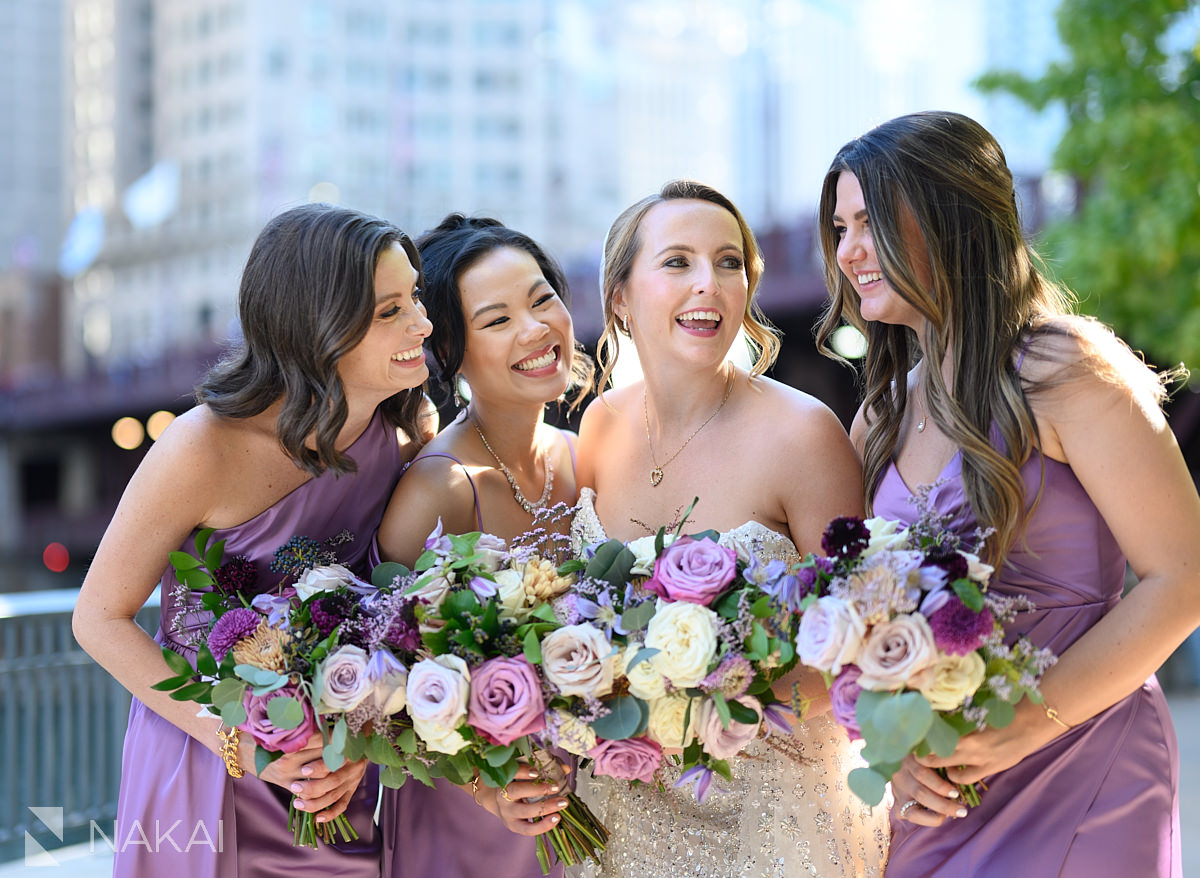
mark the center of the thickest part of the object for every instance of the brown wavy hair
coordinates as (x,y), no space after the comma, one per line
(307,298)
(987,301)
(621,247)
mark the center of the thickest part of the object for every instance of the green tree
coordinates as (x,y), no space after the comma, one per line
(1132,142)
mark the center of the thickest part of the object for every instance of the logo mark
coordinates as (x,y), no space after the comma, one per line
(52,819)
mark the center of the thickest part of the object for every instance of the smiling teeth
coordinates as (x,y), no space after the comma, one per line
(869,277)
(538,362)
(699,315)
(404,356)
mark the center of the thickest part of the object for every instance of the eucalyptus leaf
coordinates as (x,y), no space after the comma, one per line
(233,713)
(941,737)
(999,712)
(392,777)
(612,562)
(643,654)
(385,574)
(333,756)
(263,758)
(285,713)
(868,784)
(228,691)
(627,717)
(278,683)
(897,724)
(498,755)
(638,617)
(337,738)
(256,676)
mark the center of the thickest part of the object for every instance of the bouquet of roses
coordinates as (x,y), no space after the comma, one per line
(900,623)
(496,673)
(700,632)
(317,654)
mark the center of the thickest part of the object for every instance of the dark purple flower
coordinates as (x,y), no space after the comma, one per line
(330,612)
(404,632)
(952,562)
(845,537)
(957,629)
(843,693)
(238,575)
(230,628)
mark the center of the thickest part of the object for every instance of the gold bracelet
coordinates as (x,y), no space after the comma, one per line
(475,789)
(1053,714)
(229,750)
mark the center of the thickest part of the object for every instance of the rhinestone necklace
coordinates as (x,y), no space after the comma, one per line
(531,508)
(656,474)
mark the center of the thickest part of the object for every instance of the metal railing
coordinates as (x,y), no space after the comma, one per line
(62,722)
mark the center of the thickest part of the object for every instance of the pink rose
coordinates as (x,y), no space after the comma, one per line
(844,695)
(719,741)
(506,700)
(693,570)
(630,759)
(264,732)
(895,651)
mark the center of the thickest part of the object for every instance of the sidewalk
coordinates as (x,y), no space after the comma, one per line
(79,862)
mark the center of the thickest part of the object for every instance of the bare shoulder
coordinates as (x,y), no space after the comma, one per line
(790,415)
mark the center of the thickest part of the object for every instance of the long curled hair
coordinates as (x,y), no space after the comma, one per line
(447,252)
(986,300)
(622,245)
(307,298)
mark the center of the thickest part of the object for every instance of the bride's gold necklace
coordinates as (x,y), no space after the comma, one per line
(656,474)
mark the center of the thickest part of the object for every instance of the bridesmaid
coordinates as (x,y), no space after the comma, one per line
(501,327)
(1046,429)
(302,430)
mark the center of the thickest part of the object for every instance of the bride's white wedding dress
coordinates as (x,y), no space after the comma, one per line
(788,811)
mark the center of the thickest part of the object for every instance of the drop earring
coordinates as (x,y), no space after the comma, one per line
(625,323)
(458,400)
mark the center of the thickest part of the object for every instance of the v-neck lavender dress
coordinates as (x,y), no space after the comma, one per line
(180,813)
(1102,798)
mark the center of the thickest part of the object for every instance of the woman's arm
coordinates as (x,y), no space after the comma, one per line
(432,488)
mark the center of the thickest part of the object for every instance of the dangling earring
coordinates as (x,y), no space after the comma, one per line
(458,400)
(625,323)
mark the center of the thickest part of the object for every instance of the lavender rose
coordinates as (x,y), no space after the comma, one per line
(831,633)
(579,660)
(844,695)
(506,700)
(344,673)
(264,732)
(630,759)
(894,651)
(693,570)
(438,689)
(721,742)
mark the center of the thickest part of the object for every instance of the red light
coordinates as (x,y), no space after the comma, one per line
(56,557)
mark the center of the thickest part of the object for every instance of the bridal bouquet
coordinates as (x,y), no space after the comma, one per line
(900,623)
(309,657)
(495,674)
(699,632)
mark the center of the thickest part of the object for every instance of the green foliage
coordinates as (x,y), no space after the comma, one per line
(1132,251)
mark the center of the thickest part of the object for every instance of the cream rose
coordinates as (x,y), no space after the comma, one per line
(324,578)
(511,595)
(666,720)
(644,679)
(950,681)
(976,569)
(830,636)
(894,651)
(686,636)
(643,554)
(579,660)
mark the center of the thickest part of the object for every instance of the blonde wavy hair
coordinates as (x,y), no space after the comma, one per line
(621,247)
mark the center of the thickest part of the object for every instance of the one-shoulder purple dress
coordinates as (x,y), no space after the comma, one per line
(1102,798)
(180,814)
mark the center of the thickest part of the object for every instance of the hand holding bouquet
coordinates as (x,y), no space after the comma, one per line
(911,643)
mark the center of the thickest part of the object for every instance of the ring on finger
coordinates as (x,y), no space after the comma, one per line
(906,806)
(504,794)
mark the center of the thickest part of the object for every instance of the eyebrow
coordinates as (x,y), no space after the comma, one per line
(858,216)
(688,249)
(500,306)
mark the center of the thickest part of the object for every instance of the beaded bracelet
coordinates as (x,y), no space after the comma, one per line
(229,751)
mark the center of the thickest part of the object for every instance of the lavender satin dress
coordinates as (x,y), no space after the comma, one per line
(1102,798)
(226,828)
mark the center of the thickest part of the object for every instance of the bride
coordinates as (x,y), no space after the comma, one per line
(771,466)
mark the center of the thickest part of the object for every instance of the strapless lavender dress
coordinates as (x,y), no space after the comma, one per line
(1102,798)
(226,828)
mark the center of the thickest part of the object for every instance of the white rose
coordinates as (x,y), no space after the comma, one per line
(388,678)
(491,551)
(686,637)
(666,720)
(644,680)
(511,595)
(437,693)
(438,738)
(895,651)
(571,733)
(976,569)
(319,579)
(643,553)
(886,533)
(432,588)
(721,742)
(831,632)
(951,680)
(579,660)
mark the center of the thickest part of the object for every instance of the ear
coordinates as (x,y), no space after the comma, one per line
(620,309)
